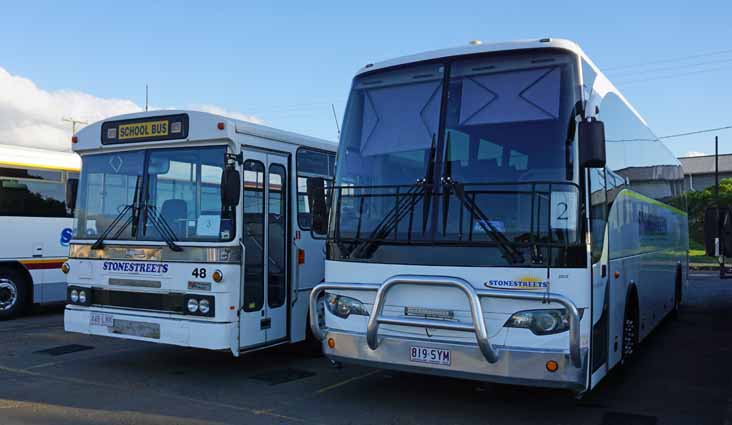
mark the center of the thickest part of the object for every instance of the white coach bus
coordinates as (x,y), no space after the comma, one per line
(192,229)
(484,225)
(35,226)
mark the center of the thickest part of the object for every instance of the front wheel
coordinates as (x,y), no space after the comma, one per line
(13,293)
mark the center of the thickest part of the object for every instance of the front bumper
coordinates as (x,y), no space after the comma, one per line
(513,366)
(186,332)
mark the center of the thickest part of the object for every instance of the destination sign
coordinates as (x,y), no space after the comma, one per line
(149,129)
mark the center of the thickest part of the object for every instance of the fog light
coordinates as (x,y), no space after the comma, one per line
(331,343)
(552,366)
(74,296)
(204,307)
(192,305)
(82,297)
(217,276)
(65,267)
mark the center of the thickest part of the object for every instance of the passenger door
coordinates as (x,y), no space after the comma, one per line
(265,236)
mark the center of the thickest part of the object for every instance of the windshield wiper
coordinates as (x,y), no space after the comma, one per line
(405,205)
(162,226)
(99,243)
(510,253)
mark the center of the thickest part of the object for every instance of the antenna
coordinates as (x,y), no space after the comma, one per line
(73,123)
(335,117)
(146,97)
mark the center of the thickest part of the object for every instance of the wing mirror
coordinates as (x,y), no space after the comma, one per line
(318,205)
(230,187)
(592,143)
(72,186)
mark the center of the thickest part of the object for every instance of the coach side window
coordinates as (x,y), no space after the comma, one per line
(598,212)
(32,193)
(311,163)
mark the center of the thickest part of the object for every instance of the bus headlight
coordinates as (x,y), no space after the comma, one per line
(74,296)
(82,297)
(541,322)
(343,306)
(204,307)
(192,305)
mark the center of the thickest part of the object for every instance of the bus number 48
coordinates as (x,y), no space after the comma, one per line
(199,273)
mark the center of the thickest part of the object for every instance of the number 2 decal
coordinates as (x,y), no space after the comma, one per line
(199,273)
(563,214)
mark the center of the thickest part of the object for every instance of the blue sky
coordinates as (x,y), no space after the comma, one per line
(286,62)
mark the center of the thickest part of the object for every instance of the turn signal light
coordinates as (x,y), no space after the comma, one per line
(220,125)
(65,267)
(331,343)
(617,275)
(300,256)
(552,366)
(217,276)
(74,139)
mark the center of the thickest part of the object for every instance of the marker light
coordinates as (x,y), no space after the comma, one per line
(617,275)
(65,267)
(217,276)
(552,366)
(331,343)
(220,125)
(74,139)
(300,256)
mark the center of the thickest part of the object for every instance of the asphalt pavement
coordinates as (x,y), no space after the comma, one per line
(682,375)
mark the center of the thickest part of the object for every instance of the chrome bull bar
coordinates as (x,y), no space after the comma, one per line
(474,295)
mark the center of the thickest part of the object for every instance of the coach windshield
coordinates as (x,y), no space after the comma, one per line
(471,156)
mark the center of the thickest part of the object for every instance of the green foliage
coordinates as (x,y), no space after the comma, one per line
(697,203)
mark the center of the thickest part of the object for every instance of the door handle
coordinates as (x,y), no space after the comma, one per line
(265,323)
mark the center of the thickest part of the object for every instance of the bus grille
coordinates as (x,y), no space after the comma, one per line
(170,303)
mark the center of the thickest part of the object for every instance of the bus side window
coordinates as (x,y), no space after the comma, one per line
(598,212)
(311,163)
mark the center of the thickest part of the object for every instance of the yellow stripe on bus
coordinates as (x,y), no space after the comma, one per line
(45,167)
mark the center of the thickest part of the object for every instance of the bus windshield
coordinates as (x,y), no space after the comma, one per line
(470,153)
(145,194)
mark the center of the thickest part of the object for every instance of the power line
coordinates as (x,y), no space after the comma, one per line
(677,59)
(673,68)
(709,130)
(664,77)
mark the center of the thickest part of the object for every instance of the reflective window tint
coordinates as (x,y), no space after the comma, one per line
(28,198)
(277,279)
(34,174)
(598,211)
(253,235)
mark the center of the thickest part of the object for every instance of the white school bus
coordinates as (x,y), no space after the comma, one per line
(35,225)
(501,213)
(192,229)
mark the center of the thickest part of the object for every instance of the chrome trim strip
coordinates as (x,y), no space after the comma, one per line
(474,295)
(190,254)
(136,283)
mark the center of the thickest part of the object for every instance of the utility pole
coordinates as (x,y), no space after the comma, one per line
(73,123)
(146,97)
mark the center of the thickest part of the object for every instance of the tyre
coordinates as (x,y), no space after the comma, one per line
(630,330)
(13,293)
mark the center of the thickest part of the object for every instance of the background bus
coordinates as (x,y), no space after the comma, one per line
(192,229)
(485,225)
(35,225)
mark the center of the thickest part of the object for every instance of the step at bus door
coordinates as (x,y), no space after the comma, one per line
(263,315)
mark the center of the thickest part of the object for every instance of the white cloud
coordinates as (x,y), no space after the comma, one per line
(213,109)
(693,153)
(31,116)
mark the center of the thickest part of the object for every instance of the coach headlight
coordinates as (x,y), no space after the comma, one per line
(541,322)
(204,306)
(82,297)
(343,306)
